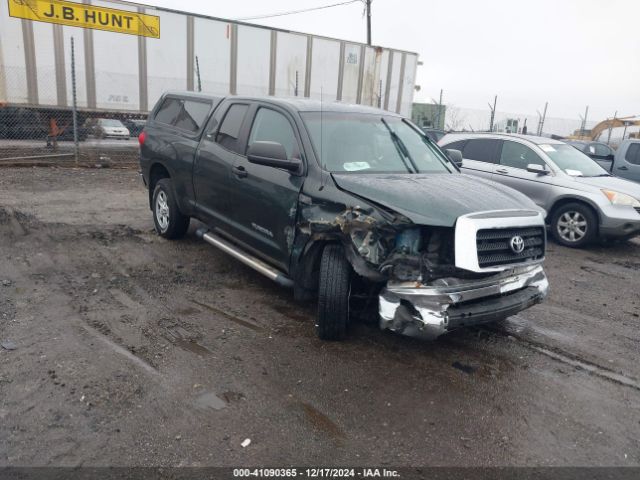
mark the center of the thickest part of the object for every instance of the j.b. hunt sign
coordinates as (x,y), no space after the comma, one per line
(86,16)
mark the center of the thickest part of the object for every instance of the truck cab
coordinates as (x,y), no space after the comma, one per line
(626,162)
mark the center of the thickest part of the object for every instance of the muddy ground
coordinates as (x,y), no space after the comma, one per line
(121,348)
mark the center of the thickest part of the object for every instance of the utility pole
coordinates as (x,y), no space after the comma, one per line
(74,99)
(437,125)
(583,125)
(541,119)
(615,115)
(368,3)
(198,74)
(493,112)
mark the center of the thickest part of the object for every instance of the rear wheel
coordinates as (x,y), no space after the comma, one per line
(167,218)
(333,294)
(574,225)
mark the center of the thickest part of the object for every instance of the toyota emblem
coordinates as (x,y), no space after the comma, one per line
(517,244)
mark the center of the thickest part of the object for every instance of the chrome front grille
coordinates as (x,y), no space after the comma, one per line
(499,246)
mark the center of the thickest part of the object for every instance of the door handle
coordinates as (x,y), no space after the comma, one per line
(240,171)
(623,168)
(502,170)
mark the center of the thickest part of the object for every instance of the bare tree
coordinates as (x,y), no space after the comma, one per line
(454,119)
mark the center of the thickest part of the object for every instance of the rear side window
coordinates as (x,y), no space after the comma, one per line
(192,115)
(633,154)
(168,111)
(188,115)
(271,126)
(480,149)
(230,128)
(459,145)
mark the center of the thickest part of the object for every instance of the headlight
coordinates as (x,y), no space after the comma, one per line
(618,198)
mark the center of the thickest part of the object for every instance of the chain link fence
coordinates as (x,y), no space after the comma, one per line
(34,132)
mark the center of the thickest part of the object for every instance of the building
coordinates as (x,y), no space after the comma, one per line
(428,115)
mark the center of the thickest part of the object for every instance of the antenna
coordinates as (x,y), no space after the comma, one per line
(322,164)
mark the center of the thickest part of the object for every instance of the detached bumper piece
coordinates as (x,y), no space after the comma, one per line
(428,311)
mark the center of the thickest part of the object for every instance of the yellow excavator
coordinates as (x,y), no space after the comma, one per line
(594,133)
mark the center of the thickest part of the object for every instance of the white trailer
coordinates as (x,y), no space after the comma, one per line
(121,71)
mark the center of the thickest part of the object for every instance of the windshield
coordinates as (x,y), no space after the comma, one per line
(107,122)
(573,162)
(366,143)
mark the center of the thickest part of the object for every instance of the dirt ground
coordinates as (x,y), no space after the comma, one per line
(121,348)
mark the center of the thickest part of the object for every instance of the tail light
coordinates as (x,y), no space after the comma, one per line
(142,137)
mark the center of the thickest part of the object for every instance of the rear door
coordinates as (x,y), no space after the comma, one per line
(512,172)
(479,156)
(629,164)
(223,142)
(265,199)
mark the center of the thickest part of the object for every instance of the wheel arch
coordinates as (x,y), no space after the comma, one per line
(157,171)
(565,200)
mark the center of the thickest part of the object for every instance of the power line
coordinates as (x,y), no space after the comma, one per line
(293,12)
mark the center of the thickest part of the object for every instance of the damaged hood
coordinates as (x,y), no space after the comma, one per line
(433,199)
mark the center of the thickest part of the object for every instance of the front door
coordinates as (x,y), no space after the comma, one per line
(629,165)
(512,172)
(265,199)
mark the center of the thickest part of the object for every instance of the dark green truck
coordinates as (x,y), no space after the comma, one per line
(346,204)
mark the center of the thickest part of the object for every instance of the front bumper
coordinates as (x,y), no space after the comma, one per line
(617,221)
(428,311)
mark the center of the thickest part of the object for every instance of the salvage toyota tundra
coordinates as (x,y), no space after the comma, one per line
(346,204)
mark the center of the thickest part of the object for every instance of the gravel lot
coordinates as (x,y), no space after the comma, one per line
(121,348)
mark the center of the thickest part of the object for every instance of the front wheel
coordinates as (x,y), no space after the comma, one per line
(167,218)
(334,290)
(574,225)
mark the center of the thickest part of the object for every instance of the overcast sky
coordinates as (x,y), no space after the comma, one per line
(571,53)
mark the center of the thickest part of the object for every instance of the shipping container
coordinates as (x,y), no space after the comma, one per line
(124,66)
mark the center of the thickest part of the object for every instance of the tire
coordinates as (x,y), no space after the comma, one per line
(333,294)
(574,225)
(168,220)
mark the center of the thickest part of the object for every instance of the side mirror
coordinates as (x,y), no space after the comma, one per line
(455,156)
(272,154)
(609,157)
(539,169)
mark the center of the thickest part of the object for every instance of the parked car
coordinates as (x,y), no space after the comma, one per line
(108,128)
(343,202)
(583,201)
(434,134)
(626,162)
(23,124)
(134,125)
(598,151)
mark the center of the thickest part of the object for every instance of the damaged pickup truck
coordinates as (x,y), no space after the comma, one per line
(346,204)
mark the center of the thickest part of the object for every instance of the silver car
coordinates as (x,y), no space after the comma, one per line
(582,200)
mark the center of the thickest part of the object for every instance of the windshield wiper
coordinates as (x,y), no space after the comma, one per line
(401,147)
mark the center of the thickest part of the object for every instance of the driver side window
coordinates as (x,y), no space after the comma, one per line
(517,155)
(272,126)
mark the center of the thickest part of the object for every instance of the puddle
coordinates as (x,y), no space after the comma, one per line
(209,400)
(468,369)
(191,346)
(183,339)
(233,318)
(187,311)
(321,422)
